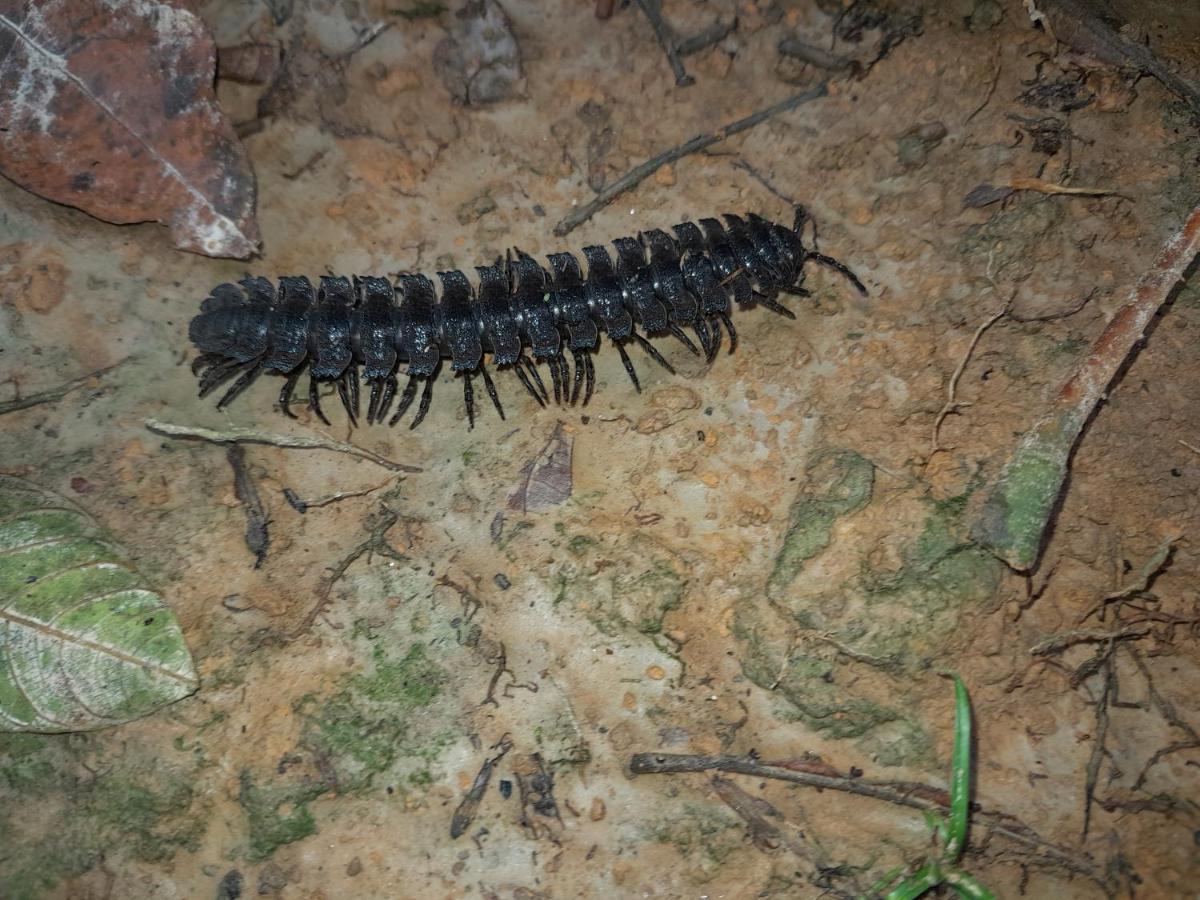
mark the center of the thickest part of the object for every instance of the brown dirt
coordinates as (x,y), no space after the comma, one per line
(654,609)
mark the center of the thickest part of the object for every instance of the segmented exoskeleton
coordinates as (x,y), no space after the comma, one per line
(519,313)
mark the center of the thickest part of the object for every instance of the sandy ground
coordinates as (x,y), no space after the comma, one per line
(768,556)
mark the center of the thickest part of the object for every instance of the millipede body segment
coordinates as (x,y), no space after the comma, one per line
(518,312)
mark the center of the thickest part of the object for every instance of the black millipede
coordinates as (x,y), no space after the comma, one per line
(518,312)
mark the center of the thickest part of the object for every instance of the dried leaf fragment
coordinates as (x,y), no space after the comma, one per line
(545,479)
(109,107)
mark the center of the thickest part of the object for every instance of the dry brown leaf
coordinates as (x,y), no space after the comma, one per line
(546,479)
(109,107)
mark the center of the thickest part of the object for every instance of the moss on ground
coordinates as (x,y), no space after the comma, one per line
(276,814)
(703,835)
(838,483)
(64,812)
(896,621)
(626,597)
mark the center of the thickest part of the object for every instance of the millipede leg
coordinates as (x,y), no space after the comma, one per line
(285,393)
(491,389)
(775,306)
(217,374)
(652,352)
(683,338)
(353,370)
(524,376)
(628,363)
(385,402)
(426,399)
(314,400)
(552,362)
(579,366)
(247,378)
(373,401)
(700,326)
(406,399)
(348,396)
(716,344)
(537,378)
(204,360)
(832,263)
(469,399)
(732,331)
(591,378)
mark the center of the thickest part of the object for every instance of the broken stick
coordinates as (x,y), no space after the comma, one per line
(638,174)
(1018,512)
(1034,848)
(287,441)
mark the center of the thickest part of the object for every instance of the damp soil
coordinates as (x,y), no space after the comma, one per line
(769,555)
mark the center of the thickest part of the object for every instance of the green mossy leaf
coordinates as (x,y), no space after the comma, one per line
(84,643)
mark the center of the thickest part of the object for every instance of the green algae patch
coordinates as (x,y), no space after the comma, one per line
(906,616)
(838,483)
(706,836)
(1018,510)
(840,649)
(411,682)
(276,814)
(809,683)
(61,818)
(363,729)
(621,589)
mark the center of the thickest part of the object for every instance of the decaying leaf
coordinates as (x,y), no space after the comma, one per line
(545,479)
(83,642)
(480,61)
(109,107)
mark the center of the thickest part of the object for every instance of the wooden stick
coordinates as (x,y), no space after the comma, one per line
(287,441)
(640,173)
(1017,513)
(915,796)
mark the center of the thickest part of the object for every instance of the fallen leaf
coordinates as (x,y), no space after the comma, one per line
(480,61)
(545,479)
(84,643)
(109,107)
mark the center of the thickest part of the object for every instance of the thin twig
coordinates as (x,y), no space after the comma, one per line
(1058,642)
(714,34)
(701,142)
(1097,755)
(815,56)
(55,394)
(987,98)
(1191,447)
(1158,561)
(762,179)
(302,506)
(1167,710)
(287,441)
(953,404)
(666,39)
(769,830)
(376,543)
(914,796)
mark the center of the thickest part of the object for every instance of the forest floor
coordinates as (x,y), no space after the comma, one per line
(768,556)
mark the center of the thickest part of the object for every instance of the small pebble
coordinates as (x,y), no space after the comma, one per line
(502,581)
(355,867)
